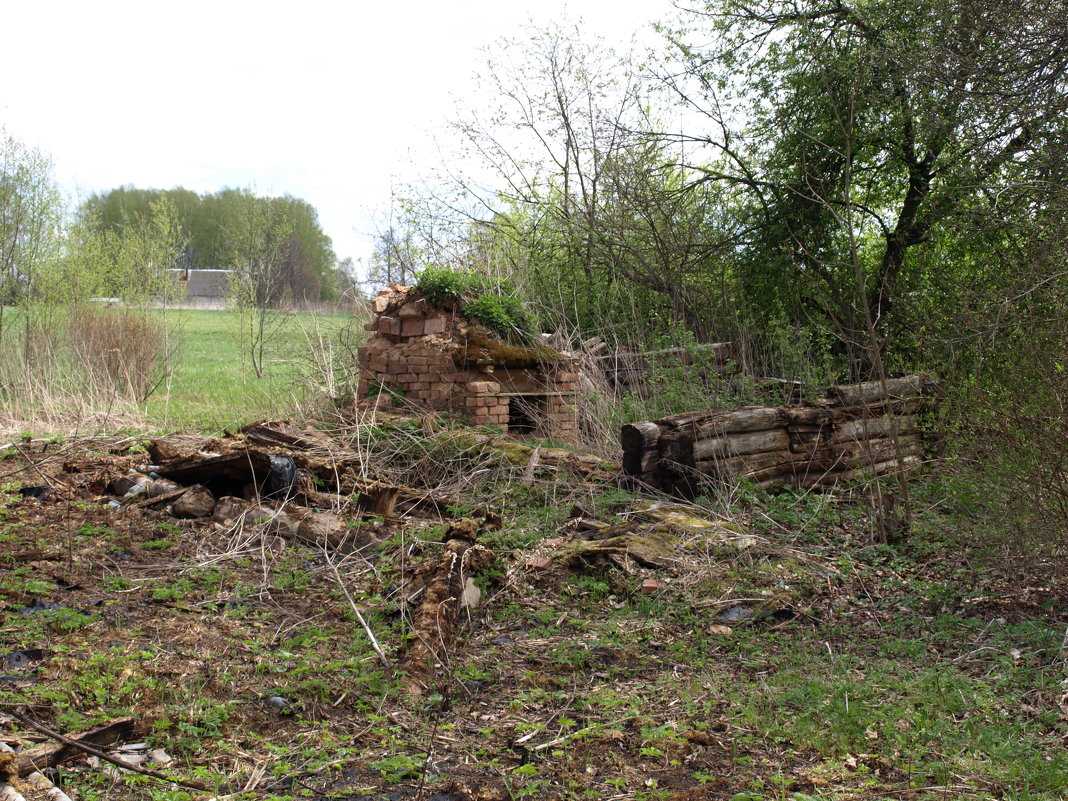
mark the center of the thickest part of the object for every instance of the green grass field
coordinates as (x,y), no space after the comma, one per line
(214,385)
(64,370)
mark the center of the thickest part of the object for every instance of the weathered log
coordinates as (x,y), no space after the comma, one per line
(895,407)
(870,391)
(804,439)
(861,451)
(907,464)
(785,472)
(676,448)
(714,422)
(738,421)
(434,620)
(282,434)
(640,453)
(53,753)
(809,415)
(675,463)
(746,466)
(874,428)
(775,439)
(239,466)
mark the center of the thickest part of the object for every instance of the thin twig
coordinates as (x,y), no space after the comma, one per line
(358,613)
(18,713)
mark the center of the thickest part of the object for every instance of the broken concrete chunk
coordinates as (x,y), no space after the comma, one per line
(472,594)
(277,522)
(123,484)
(197,502)
(162,487)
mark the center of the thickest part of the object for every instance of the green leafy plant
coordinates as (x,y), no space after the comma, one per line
(494,304)
(398,767)
(441,285)
(502,314)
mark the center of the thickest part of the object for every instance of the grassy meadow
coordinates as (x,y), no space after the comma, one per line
(771,649)
(214,386)
(105,369)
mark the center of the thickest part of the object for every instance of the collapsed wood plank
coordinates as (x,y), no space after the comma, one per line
(775,439)
(9,791)
(755,466)
(869,391)
(434,622)
(640,448)
(83,745)
(54,753)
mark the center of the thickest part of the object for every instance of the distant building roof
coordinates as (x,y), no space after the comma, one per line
(204,284)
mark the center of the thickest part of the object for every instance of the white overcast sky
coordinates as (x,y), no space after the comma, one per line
(331,102)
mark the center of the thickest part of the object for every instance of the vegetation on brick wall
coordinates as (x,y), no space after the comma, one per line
(495,304)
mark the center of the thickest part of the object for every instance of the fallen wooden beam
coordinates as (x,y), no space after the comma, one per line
(434,621)
(54,753)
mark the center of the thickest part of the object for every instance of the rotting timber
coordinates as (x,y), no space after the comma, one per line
(856,430)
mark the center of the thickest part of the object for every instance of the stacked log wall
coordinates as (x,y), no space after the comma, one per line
(856,430)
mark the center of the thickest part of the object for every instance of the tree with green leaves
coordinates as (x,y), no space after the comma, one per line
(260,238)
(208,221)
(31,214)
(858,132)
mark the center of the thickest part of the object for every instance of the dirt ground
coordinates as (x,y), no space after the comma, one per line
(705,659)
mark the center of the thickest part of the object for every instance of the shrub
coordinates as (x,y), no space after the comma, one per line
(124,349)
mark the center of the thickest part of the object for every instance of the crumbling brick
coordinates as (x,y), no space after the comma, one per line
(415,309)
(412,327)
(434,325)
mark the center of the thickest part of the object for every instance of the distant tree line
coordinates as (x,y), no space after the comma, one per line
(215,234)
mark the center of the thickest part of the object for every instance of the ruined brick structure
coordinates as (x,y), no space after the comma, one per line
(435,359)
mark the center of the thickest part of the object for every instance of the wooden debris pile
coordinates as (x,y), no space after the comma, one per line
(445,587)
(269,465)
(856,430)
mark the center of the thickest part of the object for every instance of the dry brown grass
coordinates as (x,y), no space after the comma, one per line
(86,369)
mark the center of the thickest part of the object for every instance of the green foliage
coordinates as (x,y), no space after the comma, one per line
(131,261)
(440,285)
(502,314)
(399,767)
(207,221)
(31,211)
(494,304)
